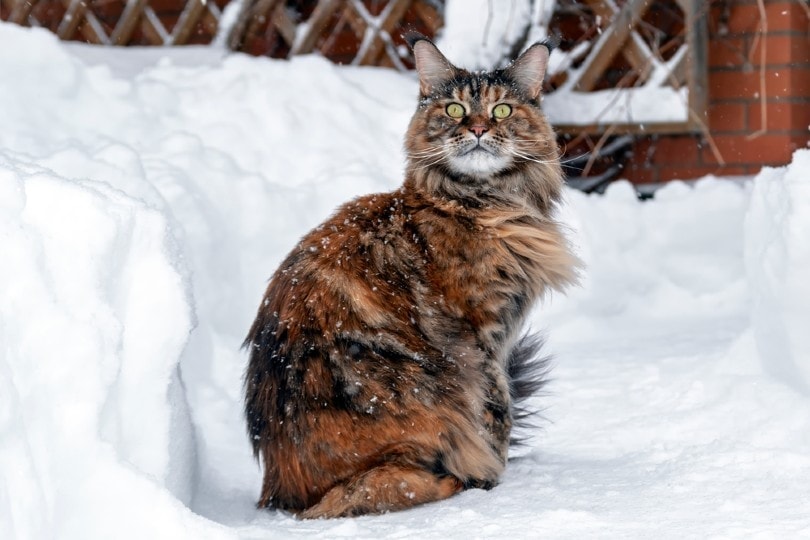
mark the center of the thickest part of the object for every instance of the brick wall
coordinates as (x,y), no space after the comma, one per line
(734,117)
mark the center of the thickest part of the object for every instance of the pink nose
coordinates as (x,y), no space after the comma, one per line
(478,129)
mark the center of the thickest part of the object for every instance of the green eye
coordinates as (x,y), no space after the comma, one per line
(455,110)
(501,111)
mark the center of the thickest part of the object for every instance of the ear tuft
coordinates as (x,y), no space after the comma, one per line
(551,42)
(431,65)
(530,68)
(412,37)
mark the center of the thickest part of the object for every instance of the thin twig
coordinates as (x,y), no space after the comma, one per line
(509,22)
(584,136)
(805,7)
(488,23)
(595,153)
(763,96)
(704,129)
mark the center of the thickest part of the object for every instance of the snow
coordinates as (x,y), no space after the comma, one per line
(146,196)
(644,105)
(476,32)
(777,257)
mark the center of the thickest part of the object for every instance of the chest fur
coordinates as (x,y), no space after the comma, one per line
(490,269)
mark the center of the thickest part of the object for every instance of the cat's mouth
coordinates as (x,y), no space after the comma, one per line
(477,159)
(476,147)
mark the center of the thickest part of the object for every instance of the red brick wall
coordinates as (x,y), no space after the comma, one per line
(734,116)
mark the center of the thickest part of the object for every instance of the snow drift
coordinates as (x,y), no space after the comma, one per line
(147,195)
(95,315)
(777,257)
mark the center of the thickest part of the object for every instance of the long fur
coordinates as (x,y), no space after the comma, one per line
(385,366)
(528,370)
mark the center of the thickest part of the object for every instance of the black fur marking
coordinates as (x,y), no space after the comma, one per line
(438,468)
(528,373)
(412,37)
(551,42)
(477,483)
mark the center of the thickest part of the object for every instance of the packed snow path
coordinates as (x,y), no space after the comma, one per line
(144,202)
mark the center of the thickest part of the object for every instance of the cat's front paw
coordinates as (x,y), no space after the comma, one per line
(480,483)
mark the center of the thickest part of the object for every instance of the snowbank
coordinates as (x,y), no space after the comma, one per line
(651,263)
(95,315)
(141,198)
(95,312)
(147,195)
(777,260)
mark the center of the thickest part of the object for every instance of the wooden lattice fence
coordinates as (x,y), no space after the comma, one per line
(121,22)
(365,32)
(628,65)
(368,32)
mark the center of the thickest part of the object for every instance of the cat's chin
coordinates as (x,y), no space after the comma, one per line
(479,163)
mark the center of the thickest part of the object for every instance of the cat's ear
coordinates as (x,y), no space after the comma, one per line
(431,65)
(530,67)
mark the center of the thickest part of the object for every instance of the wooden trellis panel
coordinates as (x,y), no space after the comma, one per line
(359,32)
(121,22)
(346,31)
(633,49)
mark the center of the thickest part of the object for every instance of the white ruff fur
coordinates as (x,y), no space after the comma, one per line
(479,163)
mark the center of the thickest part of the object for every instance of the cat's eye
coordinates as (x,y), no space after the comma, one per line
(455,110)
(501,110)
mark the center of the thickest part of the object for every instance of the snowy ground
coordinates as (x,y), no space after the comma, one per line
(144,201)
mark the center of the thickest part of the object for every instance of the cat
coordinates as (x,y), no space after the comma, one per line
(385,359)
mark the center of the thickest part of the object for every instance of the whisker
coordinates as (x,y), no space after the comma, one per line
(427,153)
(538,160)
(519,153)
(531,158)
(428,160)
(426,165)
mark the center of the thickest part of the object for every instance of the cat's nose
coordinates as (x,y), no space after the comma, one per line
(478,129)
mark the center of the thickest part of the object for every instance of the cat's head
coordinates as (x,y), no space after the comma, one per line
(478,126)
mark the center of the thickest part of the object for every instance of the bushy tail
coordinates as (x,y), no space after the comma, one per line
(528,373)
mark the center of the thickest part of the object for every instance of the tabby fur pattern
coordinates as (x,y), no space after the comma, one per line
(385,360)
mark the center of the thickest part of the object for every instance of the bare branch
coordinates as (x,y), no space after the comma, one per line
(803,4)
(488,24)
(763,96)
(595,152)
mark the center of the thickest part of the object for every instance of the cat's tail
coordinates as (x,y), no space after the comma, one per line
(528,369)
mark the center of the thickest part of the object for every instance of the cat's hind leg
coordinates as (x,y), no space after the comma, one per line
(385,488)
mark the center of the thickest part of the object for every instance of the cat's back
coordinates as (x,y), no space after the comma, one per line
(351,273)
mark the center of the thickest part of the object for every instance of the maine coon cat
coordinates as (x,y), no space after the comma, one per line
(385,359)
